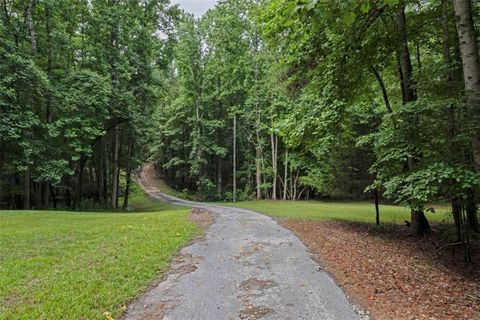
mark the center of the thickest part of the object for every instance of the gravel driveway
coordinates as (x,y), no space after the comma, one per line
(246,267)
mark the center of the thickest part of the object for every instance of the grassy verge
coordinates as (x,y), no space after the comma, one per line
(140,202)
(77,265)
(350,211)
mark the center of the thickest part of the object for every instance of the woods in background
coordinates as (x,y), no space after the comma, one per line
(336,99)
(331,99)
(79,82)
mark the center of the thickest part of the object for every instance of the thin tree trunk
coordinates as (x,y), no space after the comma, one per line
(26,190)
(219,178)
(48,114)
(38,195)
(234,158)
(285,175)
(129,174)
(104,171)
(456,213)
(258,170)
(383,88)
(77,202)
(54,196)
(114,200)
(377,208)
(274,141)
(405,61)
(31,26)
(46,195)
(471,211)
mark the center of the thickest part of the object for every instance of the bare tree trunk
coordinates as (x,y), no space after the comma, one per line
(419,222)
(114,200)
(46,195)
(77,202)
(38,195)
(234,158)
(31,26)
(104,161)
(129,175)
(219,177)
(456,213)
(54,196)
(258,170)
(405,61)
(291,183)
(377,208)
(471,74)
(383,88)
(295,185)
(26,190)
(285,175)
(48,114)
(471,64)
(274,141)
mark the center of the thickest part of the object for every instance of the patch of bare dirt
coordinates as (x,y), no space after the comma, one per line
(202,218)
(257,284)
(392,274)
(251,312)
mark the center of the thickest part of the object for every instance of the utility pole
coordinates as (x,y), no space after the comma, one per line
(234,158)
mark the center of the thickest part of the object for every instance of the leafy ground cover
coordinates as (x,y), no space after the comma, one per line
(350,211)
(77,265)
(392,274)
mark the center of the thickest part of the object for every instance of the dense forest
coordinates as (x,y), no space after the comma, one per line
(272,99)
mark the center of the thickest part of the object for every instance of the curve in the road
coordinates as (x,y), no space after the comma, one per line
(246,267)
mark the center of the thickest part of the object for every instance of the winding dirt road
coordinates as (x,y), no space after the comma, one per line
(246,267)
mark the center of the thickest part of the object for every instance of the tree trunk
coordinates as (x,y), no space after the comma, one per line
(77,202)
(114,200)
(377,208)
(471,75)
(274,141)
(54,196)
(48,113)
(258,170)
(406,69)
(219,178)
(104,171)
(471,211)
(31,26)
(129,174)
(457,216)
(420,224)
(26,190)
(234,158)
(383,88)
(46,195)
(471,64)
(285,175)
(38,195)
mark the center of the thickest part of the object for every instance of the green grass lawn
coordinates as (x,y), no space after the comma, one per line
(351,211)
(77,265)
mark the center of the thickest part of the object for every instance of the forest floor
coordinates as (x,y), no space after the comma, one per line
(393,274)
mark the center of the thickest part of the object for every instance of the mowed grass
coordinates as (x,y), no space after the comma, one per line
(77,265)
(351,211)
